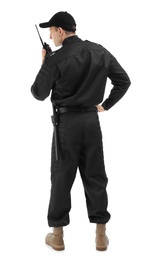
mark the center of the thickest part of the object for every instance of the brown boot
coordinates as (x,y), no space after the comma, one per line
(55,239)
(101,238)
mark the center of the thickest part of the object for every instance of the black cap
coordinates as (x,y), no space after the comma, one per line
(61,19)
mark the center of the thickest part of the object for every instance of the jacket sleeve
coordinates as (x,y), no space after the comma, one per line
(120,81)
(43,82)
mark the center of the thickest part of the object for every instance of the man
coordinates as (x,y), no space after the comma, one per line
(77,75)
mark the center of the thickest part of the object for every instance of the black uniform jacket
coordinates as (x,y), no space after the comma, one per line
(77,75)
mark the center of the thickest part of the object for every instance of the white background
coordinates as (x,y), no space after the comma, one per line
(26,131)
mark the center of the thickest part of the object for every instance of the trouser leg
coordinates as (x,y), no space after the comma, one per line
(60,199)
(93,173)
(63,172)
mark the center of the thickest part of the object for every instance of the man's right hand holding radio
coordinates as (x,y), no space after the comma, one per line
(46,49)
(43,55)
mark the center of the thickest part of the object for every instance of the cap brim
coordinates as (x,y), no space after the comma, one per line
(44,25)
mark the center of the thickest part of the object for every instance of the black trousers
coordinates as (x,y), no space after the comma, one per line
(80,147)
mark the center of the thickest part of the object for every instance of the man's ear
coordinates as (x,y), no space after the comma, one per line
(61,31)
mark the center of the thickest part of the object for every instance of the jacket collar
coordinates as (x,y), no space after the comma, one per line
(70,39)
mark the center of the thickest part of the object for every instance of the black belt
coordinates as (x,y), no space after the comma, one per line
(76,109)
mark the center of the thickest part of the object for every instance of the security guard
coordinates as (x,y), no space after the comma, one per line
(77,75)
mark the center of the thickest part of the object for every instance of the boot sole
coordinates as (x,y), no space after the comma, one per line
(58,248)
(101,248)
